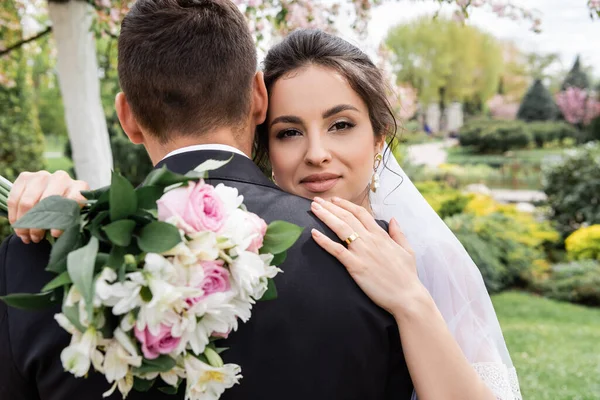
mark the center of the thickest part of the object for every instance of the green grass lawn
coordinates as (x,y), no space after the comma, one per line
(54,164)
(554,346)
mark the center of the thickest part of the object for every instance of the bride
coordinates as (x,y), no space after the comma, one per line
(325,139)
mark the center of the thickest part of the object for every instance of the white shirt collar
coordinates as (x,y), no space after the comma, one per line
(222,147)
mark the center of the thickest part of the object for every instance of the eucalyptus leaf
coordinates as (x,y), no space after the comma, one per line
(280,236)
(80,264)
(61,280)
(70,240)
(53,212)
(147,196)
(163,363)
(29,301)
(120,232)
(158,237)
(122,198)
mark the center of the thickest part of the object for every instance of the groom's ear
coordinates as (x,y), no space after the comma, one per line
(260,99)
(128,122)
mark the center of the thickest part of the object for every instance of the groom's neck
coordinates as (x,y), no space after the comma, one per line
(224,136)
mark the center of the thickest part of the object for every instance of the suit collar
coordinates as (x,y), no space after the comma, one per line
(239,169)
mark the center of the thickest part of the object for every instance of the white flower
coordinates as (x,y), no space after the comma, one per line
(229,196)
(204,246)
(170,377)
(76,357)
(205,382)
(125,385)
(64,322)
(182,254)
(250,273)
(118,358)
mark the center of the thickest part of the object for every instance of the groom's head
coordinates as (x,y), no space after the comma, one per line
(188,70)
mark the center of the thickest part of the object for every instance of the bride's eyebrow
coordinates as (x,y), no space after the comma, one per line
(289,119)
(338,109)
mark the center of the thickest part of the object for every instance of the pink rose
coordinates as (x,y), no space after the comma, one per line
(259,229)
(216,280)
(197,207)
(153,346)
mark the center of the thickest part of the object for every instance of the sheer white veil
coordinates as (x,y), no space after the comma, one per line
(450,276)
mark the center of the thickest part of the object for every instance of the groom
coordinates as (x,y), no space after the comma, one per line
(191,93)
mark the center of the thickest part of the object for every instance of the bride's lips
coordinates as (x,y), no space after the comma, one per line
(319,183)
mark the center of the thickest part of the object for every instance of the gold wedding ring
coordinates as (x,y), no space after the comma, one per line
(352,238)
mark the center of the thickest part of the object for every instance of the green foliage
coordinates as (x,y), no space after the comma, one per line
(592,131)
(576,77)
(21,140)
(584,243)
(486,136)
(538,104)
(548,132)
(492,242)
(576,282)
(445,60)
(573,189)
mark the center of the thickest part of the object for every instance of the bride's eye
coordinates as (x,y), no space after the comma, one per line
(342,125)
(287,133)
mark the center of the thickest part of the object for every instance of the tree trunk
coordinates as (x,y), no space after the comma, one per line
(80,87)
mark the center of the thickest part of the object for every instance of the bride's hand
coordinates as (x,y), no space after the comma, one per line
(30,188)
(382,264)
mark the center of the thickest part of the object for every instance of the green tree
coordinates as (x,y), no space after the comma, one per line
(538,104)
(576,77)
(446,61)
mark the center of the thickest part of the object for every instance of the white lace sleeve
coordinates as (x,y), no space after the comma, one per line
(452,279)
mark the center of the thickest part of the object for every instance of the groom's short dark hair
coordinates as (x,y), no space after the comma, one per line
(186,66)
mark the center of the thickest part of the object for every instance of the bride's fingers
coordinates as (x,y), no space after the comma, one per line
(335,249)
(365,218)
(339,227)
(398,236)
(343,215)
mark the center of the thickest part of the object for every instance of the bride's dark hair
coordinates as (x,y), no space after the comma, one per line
(314,47)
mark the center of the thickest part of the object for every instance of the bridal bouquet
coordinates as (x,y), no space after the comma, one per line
(150,278)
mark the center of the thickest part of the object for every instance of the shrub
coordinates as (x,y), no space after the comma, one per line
(547,132)
(538,104)
(487,136)
(576,282)
(445,200)
(573,189)
(584,243)
(130,159)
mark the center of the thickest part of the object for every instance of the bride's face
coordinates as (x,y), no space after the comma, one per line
(321,142)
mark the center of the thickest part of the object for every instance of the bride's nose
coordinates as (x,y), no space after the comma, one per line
(316,153)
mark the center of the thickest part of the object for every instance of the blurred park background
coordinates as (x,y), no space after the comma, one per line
(500,129)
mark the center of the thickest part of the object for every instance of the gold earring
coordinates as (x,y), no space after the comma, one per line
(375,177)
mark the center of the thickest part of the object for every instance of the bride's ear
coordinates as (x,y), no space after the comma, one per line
(127,119)
(379,143)
(260,99)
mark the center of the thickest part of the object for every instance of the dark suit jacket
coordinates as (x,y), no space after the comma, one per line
(322,338)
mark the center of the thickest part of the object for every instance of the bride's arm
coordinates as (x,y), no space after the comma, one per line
(384,267)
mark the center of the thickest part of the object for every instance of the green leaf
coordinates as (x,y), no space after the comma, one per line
(95,194)
(158,237)
(72,314)
(146,294)
(61,280)
(280,236)
(147,196)
(279,259)
(102,203)
(169,389)
(116,258)
(163,177)
(161,364)
(120,232)
(70,240)
(80,264)
(271,293)
(142,385)
(53,212)
(29,301)
(122,198)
